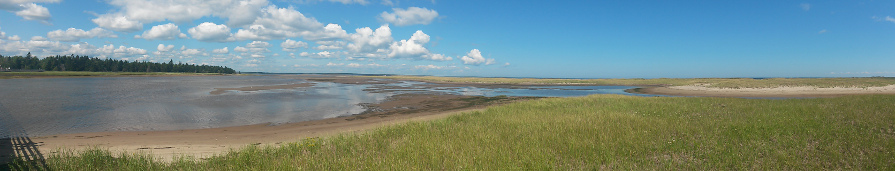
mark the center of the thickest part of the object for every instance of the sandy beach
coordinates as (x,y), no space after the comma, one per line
(703,90)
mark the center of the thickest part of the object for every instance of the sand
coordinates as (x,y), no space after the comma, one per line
(703,90)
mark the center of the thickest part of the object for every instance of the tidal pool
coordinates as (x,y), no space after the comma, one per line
(41,107)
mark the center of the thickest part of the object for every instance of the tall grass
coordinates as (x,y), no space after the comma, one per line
(594,132)
(714,82)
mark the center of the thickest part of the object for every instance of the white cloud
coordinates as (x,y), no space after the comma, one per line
(412,47)
(330,45)
(325,54)
(805,6)
(437,57)
(221,51)
(191,52)
(409,16)
(822,31)
(32,11)
(888,18)
(163,32)
(427,67)
(354,65)
(28,10)
(334,64)
(365,40)
(474,57)
(163,48)
(292,45)
(210,32)
(330,32)
(240,49)
(238,12)
(74,35)
(279,23)
(118,23)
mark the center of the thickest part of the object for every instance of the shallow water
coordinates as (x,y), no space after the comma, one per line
(40,107)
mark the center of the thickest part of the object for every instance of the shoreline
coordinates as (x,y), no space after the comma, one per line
(795,92)
(202,143)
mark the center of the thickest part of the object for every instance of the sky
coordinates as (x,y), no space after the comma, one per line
(547,39)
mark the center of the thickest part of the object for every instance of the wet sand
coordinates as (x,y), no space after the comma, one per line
(697,90)
(202,143)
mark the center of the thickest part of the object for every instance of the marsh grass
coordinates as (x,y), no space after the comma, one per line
(594,132)
(860,82)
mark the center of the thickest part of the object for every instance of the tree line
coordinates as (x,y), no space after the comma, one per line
(85,63)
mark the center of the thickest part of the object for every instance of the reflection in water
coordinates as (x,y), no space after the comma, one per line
(75,105)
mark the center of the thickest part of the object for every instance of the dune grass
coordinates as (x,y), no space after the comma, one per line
(594,132)
(714,82)
(94,74)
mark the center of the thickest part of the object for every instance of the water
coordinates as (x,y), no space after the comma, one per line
(52,106)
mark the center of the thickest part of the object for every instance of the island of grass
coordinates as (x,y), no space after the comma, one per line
(585,133)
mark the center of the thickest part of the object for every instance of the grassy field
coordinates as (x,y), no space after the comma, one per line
(715,82)
(89,74)
(594,132)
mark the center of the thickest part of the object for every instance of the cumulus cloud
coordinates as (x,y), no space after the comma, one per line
(330,32)
(279,23)
(163,32)
(474,57)
(28,9)
(221,51)
(210,32)
(365,40)
(330,45)
(437,57)
(292,45)
(163,48)
(412,47)
(409,16)
(118,23)
(191,52)
(74,35)
(238,12)
(240,49)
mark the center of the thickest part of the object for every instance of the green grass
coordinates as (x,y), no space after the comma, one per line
(594,132)
(715,82)
(88,73)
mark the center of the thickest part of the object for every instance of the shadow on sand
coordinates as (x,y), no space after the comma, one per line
(17,151)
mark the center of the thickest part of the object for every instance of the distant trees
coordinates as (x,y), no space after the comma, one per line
(84,63)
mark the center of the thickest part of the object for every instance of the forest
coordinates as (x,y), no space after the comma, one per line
(85,63)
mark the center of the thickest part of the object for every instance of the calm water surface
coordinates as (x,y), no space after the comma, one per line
(40,107)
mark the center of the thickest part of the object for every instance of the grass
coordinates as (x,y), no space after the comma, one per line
(585,133)
(90,74)
(715,82)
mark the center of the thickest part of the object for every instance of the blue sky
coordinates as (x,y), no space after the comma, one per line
(567,39)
